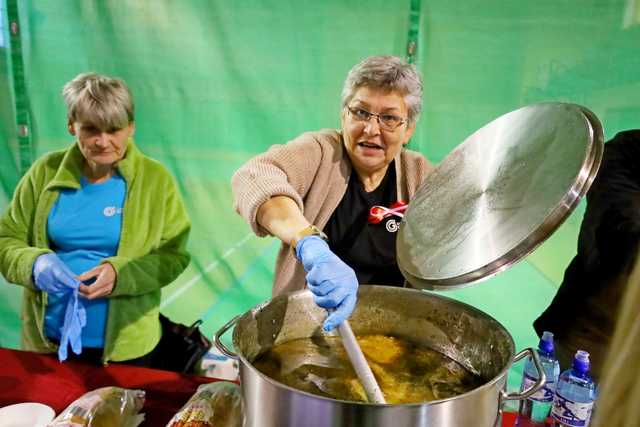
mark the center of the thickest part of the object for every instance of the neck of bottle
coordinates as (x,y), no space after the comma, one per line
(545,346)
(580,368)
(548,354)
(546,349)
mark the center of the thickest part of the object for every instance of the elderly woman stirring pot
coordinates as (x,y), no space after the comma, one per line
(335,197)
(102,213)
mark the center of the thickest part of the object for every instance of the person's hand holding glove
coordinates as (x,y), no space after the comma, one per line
(332,282)
(51,275)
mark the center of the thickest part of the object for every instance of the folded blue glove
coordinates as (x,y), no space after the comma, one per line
(75,318)
(333,283)
(52,276)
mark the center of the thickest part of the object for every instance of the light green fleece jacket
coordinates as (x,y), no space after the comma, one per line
(152,251)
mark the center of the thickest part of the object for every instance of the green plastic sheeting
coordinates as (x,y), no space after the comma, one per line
(217,82)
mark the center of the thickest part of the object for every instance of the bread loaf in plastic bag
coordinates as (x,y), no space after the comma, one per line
(103,407)
(217,404)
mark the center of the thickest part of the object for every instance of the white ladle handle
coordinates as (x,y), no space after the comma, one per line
(360,365)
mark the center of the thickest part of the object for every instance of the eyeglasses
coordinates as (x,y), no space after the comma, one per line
(386,121)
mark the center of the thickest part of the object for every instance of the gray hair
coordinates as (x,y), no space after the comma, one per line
(389,73)
(102,101)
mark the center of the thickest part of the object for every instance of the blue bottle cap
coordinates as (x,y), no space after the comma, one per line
(546,343)
(581,362)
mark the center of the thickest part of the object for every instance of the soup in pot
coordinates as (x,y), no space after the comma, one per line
(406,372)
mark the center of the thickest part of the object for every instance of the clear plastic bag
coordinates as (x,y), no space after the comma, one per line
(217,404)
(103,407)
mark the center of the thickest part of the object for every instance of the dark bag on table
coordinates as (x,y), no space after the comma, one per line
(181,347)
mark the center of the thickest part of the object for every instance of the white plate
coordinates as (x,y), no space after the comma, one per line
(26,415)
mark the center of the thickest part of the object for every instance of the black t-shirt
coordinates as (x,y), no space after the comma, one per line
(370,249)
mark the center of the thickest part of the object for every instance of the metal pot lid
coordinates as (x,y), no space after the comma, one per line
(499,195)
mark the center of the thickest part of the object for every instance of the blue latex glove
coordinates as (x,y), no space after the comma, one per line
(75,318)
(52,276)
(333,283)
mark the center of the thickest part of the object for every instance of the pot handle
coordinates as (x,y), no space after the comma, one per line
(220,333)
(542,378)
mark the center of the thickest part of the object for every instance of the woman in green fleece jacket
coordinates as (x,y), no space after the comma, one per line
(93,233)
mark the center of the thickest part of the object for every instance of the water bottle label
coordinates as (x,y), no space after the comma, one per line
(570,413)
(545,394)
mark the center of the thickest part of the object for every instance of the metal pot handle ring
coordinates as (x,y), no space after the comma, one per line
(542,378)
(220,333)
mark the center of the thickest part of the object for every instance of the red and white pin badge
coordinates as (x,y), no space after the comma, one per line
(378,213)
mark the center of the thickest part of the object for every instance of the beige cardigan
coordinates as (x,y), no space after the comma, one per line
(313,170)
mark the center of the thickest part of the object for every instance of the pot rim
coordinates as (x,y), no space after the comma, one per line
(490,383)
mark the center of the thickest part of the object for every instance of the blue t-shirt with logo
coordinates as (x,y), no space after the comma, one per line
(83,229)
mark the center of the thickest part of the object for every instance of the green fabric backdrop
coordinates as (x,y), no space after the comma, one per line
(217,82)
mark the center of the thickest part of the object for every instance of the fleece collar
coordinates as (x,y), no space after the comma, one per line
(70,170)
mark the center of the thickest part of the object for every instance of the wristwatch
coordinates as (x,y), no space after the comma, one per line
(309,230)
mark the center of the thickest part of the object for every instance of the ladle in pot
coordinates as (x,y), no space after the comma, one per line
(360,365)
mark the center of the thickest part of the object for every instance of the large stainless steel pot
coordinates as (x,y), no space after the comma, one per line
(465,334)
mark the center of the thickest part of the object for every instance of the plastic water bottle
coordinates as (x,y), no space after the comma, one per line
(535,409)
(575,394)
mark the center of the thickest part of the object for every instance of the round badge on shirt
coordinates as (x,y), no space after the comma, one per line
(111,211)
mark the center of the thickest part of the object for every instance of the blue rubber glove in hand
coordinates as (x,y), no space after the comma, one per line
(75,318)
(52,276)
(333,283)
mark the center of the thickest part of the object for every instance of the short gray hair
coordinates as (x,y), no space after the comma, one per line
(102,101)
(388,73)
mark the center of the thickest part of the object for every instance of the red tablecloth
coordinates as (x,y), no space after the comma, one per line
(509,419)
(31,377)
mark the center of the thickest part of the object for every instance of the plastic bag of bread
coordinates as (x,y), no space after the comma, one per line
(217,404)
(103,407)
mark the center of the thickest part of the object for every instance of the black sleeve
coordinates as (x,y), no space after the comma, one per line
(610,230)
(609,234)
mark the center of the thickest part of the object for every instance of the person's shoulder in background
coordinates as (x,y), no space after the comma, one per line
(625,144)
(626,136)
